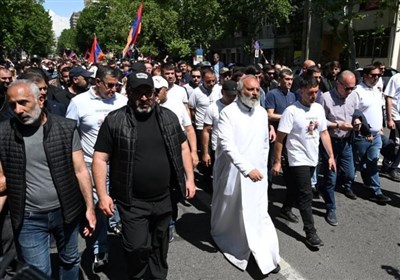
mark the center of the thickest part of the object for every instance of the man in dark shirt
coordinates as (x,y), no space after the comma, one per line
(148,155)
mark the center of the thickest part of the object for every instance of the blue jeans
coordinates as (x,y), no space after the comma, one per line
(100,242)
(343,153)
(367,154)
(33,240)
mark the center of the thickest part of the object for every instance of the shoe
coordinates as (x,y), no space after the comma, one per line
(288,215)
(99,262)
(117,229)
(313,240)
(276,270)
(315,193)
(394,175)
(330,217)
(349,194)
(380,199)
(171,233)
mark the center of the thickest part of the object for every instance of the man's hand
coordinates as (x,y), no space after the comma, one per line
(91,219)
(272,134)
(195,158)
(255,175)
(276,169)
(206,159)
(106,205)
(345,126)
(190,189)
(332,164)
(391,124)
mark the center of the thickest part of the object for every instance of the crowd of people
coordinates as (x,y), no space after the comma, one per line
(113,147)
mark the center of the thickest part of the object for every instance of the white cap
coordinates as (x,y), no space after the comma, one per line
(159,82)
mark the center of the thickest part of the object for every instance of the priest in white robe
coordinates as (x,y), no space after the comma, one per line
(240,223)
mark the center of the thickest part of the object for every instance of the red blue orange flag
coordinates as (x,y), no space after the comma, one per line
(135,30)
(96,53)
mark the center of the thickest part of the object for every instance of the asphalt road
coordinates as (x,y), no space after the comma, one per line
(365,245)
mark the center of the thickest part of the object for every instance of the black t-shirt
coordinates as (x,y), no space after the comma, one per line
(152,173)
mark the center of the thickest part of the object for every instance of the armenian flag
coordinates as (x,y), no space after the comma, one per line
(135,30)
(96,54)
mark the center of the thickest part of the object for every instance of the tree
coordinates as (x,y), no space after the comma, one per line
(25,25)
(67,40)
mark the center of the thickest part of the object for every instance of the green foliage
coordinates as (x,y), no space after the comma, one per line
(25,25)
(67,40)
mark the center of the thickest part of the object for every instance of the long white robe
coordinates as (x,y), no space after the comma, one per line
(240,223)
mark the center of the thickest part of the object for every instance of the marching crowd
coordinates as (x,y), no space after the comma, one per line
(113,147)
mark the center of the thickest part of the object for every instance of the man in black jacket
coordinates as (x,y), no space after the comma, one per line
(148,155)
(45,179)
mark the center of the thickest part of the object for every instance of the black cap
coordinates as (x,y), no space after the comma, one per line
(79,71)
(230,87)
(137,79)
(138,67)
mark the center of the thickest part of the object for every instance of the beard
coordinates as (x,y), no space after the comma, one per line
(32,118)
(249,101)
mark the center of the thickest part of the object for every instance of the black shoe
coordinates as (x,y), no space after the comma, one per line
(288,215)
(380,199)
(330,217)
(100,262)
(349,194)
(394,174)
(276,270)
(313,240)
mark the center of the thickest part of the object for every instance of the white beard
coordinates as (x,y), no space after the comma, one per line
(249,101)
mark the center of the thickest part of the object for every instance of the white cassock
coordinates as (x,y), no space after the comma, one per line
(240,223)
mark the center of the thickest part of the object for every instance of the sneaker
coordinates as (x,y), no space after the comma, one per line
(330,217)
(99,262)
(349,194)
(380,199)
(313,240)
(117,229)
(288,215)
(394,175)
(171,232)
(276,270)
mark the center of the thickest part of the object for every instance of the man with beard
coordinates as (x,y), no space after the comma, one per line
(194,81)
(5,80)
(148,155)
(48,184)
(304,124)
(240,223)
(79,80)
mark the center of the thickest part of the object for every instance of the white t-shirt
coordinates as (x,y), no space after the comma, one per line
(90,110)
(369,101)
(200,100)
(303,126)
(180,111)
(178,93)
(393,90)
(211,118)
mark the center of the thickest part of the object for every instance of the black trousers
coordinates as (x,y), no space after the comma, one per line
(299,191)
(145,237)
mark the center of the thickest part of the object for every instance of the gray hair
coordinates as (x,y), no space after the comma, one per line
(31,85)
(240,83)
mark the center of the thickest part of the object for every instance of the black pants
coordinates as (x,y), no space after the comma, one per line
(145,237)
(299,191)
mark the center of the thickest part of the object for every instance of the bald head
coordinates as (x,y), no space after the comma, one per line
(308,63)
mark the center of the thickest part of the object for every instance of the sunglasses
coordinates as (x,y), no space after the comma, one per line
(109,85)
(374,75)
(43,88)
(346,88)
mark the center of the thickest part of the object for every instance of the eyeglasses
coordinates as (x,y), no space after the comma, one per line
(6,78)
(346,88)
(109,85)
(375,75)
(198,77)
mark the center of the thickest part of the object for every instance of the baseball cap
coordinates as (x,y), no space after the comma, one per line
(160,82)
(138,67)
(230,87)
(224,70)
(137,79)
(77,71)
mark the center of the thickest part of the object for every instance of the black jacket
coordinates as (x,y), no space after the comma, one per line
(57,142)
(122,126)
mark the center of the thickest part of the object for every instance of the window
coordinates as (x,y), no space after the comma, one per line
(370,44)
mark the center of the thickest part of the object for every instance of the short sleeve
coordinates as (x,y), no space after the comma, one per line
(76,141)
(104,141)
